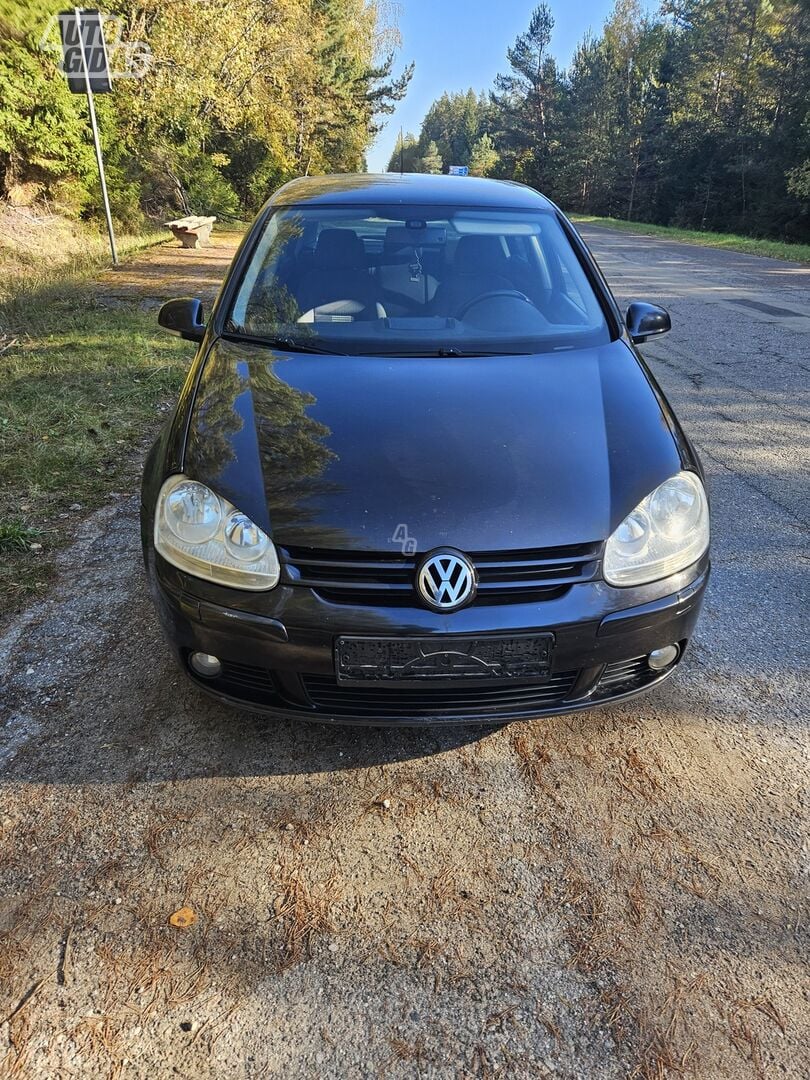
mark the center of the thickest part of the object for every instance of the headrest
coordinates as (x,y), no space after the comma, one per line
(476,251)
(340,247)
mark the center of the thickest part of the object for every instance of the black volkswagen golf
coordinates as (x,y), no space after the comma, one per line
(419,472)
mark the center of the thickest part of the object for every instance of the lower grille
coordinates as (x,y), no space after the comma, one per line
(258,686)
(624,675)
(505,700)
(358,578)
(245,682)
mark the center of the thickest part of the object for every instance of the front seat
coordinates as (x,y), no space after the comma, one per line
(338,271)
(479,267)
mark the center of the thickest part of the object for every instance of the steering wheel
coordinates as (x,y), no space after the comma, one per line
(496,294)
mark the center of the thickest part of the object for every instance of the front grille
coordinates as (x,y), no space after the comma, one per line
(329,696)
(622,676)
(357,578)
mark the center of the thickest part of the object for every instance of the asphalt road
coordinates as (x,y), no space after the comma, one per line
(612,894)
(737,369)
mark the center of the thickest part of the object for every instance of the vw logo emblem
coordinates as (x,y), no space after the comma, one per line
(446,580)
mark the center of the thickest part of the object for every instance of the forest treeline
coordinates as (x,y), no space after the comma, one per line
(220,102)
(696,116)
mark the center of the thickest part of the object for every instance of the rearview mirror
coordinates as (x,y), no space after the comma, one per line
(646,320)
(183,317)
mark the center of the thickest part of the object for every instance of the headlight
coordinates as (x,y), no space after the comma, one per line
(198,531)
(667,531)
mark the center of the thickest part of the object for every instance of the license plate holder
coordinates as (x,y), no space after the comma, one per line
(408,661)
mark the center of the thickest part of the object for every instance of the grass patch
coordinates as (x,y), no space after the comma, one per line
(83,385)
(35,257)
(772,249)
(42,281)
(15,536)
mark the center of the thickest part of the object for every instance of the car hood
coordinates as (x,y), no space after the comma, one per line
(480,453)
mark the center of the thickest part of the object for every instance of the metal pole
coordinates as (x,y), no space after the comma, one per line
(97,144)
(401,150)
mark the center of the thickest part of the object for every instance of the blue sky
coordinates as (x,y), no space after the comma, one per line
(461,43)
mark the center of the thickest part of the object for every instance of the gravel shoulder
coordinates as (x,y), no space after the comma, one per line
(611,894)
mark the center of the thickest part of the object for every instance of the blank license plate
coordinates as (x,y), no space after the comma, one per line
(443,657)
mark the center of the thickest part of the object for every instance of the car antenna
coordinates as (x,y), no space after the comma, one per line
(401,170)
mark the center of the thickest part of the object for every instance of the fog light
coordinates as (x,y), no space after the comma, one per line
(663,658)
(205,665)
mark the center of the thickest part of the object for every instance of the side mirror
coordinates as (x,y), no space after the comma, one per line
(183,317)
(646,320)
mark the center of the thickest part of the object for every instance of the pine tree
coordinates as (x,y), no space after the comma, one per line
(431,161)
(484,156)
(405,157)
(524,100)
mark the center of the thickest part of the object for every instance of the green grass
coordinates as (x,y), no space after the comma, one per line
(26,272)
(83,386)
(14,536)
(773,249)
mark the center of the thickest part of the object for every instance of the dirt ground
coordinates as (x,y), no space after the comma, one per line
(612,894)
(170,270)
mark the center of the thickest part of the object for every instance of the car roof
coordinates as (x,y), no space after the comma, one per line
(404,188)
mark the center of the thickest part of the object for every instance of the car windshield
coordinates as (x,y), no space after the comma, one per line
(417,280)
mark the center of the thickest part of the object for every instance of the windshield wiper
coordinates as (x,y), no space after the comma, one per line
(286,343)
(291,345)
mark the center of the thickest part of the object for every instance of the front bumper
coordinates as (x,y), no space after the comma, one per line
(277,648)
